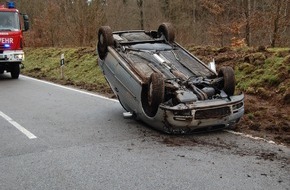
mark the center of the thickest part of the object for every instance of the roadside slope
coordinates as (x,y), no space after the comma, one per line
(262,74)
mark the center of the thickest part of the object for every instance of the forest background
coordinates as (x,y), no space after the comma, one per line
(74,23)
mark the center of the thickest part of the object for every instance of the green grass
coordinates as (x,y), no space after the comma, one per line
(272,73)
(80,65)
(255,73)
(278,49)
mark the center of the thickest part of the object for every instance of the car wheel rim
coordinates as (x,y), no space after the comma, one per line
(150,94)
(101,39)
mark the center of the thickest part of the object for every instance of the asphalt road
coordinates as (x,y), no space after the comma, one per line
(55,137)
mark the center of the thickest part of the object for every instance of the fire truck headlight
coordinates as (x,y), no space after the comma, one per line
(19,56)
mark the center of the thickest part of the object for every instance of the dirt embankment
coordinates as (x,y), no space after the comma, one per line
(263,75)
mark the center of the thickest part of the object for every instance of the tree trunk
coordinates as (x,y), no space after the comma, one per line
(140,5)
(276,23)
(247,7)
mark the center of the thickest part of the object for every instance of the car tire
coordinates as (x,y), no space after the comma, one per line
(168,31)
(15,71)
(105,39)
(228,82)
(153,94)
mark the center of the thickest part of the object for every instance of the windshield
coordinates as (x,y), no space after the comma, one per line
(9,21)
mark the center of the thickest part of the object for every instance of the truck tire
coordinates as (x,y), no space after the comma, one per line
(228,82)
(153,94)
(167,30)
(105,39)
(15,71)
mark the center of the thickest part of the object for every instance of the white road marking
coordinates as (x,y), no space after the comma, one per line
(69,88)
(18,126)
(252,137)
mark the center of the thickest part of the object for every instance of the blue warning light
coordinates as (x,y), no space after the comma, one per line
(11,5)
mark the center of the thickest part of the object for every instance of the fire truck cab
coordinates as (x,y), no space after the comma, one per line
(11,39)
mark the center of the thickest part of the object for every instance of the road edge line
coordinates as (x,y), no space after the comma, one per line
(253,137)
(69,88)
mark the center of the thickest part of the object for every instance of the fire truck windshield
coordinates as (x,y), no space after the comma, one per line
(9,21)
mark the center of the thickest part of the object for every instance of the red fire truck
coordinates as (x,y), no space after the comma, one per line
(11,38)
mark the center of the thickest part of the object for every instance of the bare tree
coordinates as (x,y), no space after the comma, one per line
(199,22)
(279,21)
(247,12)
(140,5)
(82,20)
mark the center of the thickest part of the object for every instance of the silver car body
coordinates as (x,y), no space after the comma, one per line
(135,55)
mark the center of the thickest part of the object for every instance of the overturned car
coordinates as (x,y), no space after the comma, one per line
(159,82)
